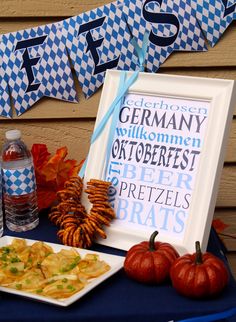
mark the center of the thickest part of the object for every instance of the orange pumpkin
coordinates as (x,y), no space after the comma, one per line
(199,275)
(150,262)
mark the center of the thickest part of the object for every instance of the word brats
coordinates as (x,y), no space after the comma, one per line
(5,105)
(214,17)
(172,25)
(98,40)
(37,65)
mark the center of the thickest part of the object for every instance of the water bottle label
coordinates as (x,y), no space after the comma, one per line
(17,182)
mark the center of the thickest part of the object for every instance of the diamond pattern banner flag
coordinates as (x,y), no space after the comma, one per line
(214,17)
(98,40)
(5,104)
(172,26)
(37,65)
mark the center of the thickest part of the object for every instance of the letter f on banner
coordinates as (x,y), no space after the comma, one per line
(37,65)
(28,62)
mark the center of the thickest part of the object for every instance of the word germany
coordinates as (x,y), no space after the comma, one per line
(165,120)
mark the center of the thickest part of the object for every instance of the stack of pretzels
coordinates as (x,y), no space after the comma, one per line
(77,228)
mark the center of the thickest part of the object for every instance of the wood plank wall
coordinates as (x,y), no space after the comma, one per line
(58,123)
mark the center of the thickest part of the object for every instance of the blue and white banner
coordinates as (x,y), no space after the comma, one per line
(37,65)
(214,17)
(172,26)
(5,104)
(98,40)
(37,62)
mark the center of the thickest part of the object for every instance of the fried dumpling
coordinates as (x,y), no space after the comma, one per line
(9,254)
(31,281)
(61,262)
(63,288)
(38,252)
(11,272)
(91,266)
(18,244)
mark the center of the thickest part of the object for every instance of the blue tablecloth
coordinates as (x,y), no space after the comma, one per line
(118,298)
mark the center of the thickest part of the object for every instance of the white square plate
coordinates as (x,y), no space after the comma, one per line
(115,262)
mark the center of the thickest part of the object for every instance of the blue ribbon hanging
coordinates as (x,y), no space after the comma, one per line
(110,111)
(114,109)
(115,118)
(141,51)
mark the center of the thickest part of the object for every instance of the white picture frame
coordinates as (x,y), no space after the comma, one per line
(219,98)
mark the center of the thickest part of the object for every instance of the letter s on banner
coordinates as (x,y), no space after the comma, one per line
(161,18)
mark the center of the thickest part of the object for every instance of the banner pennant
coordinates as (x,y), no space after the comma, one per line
(172,25)
(37,65)
(214,17)
(5,103)
(98,40)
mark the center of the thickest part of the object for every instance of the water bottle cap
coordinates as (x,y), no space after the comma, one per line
(13,135)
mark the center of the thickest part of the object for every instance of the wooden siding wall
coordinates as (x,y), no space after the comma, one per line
(58,123)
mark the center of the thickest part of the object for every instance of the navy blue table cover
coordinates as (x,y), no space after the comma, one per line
(118,298)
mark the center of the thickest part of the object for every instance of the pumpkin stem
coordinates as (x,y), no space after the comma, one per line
(198,258)
(152,241)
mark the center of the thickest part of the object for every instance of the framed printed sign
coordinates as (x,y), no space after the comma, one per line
(165,157)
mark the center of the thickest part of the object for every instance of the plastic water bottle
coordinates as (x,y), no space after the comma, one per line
(19,185)
(1,212)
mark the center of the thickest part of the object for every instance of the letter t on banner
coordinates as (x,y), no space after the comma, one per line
(172,26)
(98,40)
(214,16)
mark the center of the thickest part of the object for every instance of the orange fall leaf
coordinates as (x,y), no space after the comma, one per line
(51,172)
(219,225)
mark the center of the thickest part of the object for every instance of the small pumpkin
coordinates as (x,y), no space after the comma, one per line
(150,261)
(199,275)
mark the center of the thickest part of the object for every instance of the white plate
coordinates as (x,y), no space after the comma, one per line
(115,262)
